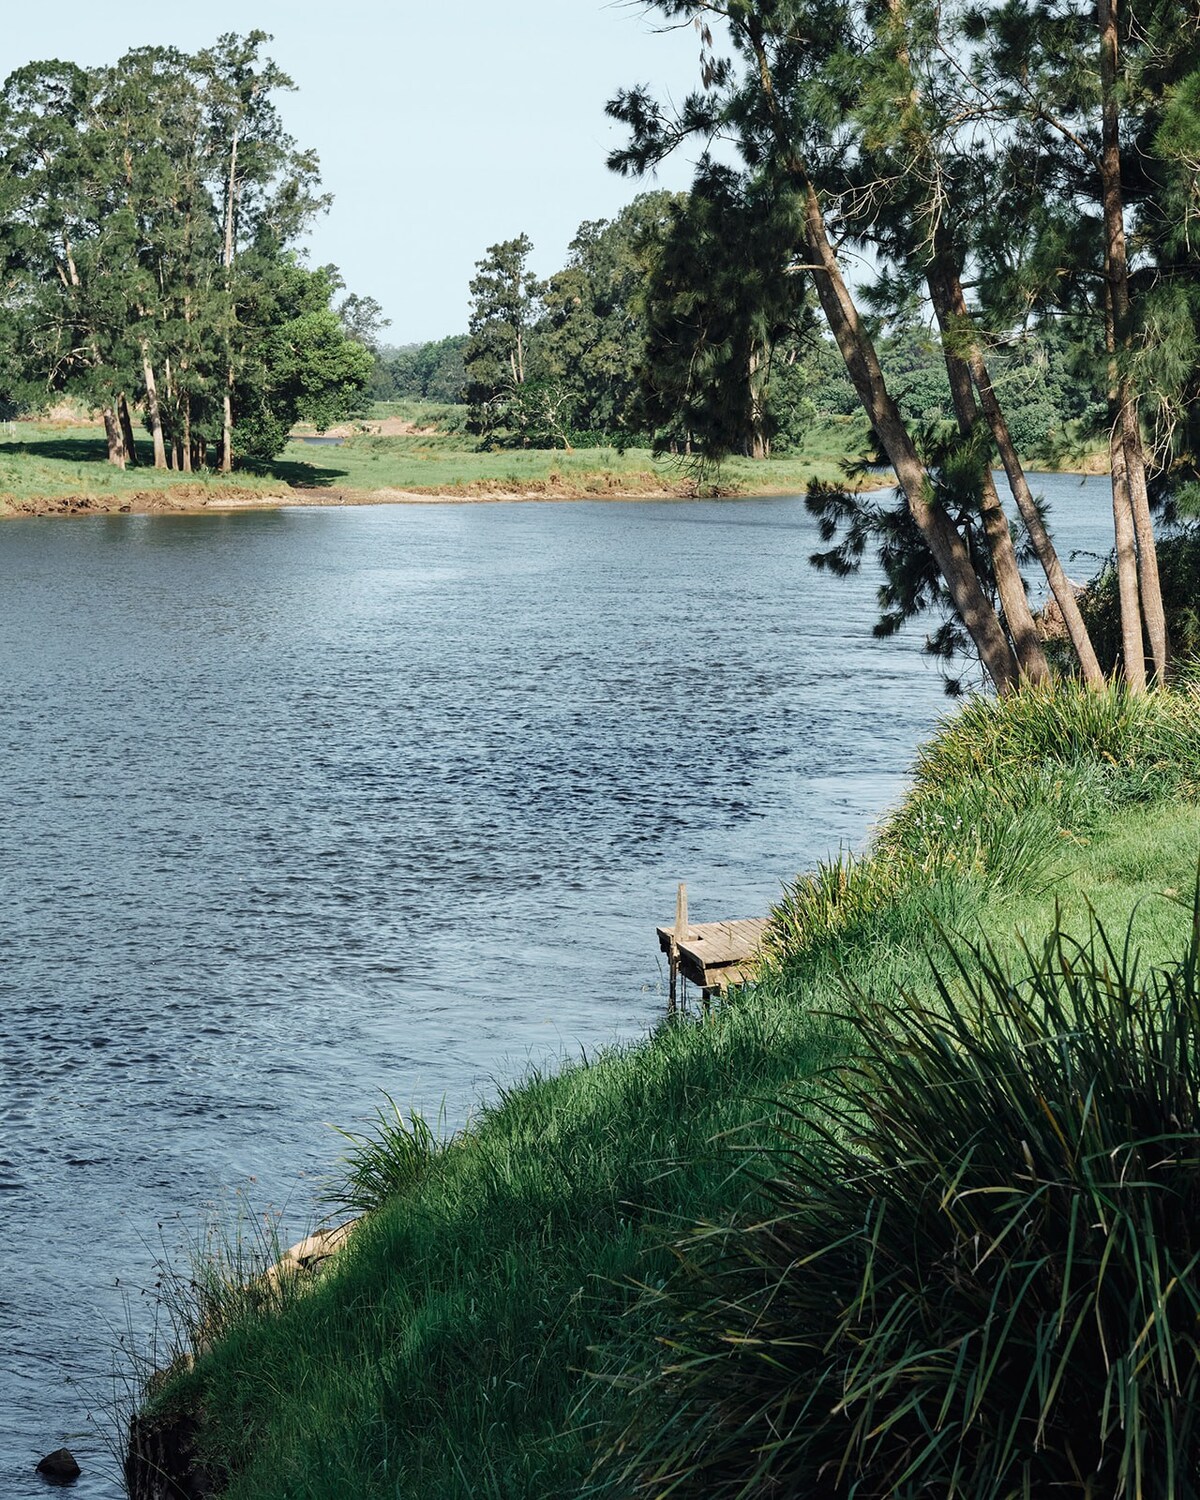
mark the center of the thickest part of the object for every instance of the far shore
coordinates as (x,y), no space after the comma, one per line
(55,468)
(190,498)
(195,499)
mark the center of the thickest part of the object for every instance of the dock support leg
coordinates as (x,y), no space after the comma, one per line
(678,936)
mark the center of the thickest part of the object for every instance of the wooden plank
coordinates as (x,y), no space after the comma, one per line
(716,954)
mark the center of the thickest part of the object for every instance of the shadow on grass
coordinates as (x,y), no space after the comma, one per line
(60,449)
(300,475)
(79,450)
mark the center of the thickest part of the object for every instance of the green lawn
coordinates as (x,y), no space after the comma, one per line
(482,1335)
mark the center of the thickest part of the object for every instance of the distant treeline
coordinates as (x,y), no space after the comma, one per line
(622,346)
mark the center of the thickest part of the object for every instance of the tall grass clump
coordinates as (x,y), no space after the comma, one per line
(390,1157)
(998,797)
(977,1270)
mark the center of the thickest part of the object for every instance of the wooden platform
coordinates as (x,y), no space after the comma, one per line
(712,955)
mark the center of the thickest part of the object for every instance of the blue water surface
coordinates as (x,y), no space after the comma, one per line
(307,804)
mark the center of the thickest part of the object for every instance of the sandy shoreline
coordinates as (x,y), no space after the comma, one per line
(193,502)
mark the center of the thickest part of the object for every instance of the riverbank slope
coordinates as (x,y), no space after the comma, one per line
(484,1331)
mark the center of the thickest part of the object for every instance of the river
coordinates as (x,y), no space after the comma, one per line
(306,804)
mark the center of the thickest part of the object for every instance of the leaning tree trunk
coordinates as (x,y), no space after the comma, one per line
(127,429)
(1009,585)
(941,536)
(1123,401)
(1060,585)
(950,306)
(153,411)
(113,435)
(947,547)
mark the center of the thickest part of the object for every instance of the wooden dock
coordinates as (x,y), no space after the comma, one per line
(711,955)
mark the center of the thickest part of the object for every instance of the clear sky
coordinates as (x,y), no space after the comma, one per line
(441,128)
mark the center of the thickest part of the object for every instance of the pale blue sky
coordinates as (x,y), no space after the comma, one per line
(441,129)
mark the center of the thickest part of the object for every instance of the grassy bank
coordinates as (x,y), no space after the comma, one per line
(495,1321)
(43,464)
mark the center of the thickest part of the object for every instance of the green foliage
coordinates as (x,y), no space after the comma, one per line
(719,304)
(1179,573)
(592,336)
(427,372)
(304,367)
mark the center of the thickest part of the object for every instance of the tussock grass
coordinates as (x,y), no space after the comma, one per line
(496,1317)
(390,1157)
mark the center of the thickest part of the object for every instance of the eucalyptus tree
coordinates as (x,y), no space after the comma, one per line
(505,306)
(268,188)
(152,111)
(63,255)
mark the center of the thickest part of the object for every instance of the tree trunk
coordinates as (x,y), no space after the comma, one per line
(1153,609)
(758,445)
(116,443)
(862,364)
(1019,618)
(1132,647)
(170,436)
(185,436)
(127,429)
(152,409)
(1126,429)
(1047,555)
(227,432)
(230,238)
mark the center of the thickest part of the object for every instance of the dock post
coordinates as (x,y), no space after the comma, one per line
(679,933)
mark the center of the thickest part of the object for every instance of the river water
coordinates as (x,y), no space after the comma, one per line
(306,804)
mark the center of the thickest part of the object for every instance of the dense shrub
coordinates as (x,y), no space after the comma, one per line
(1179,571)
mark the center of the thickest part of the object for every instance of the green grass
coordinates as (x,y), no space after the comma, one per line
(43,461)
(484,1333)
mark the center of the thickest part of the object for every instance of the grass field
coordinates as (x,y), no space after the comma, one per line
(44,462)
(489,1330)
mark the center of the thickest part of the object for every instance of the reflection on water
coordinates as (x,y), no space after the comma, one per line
(305,804)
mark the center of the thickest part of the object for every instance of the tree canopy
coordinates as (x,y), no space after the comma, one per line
(150,218)
(1001,170)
